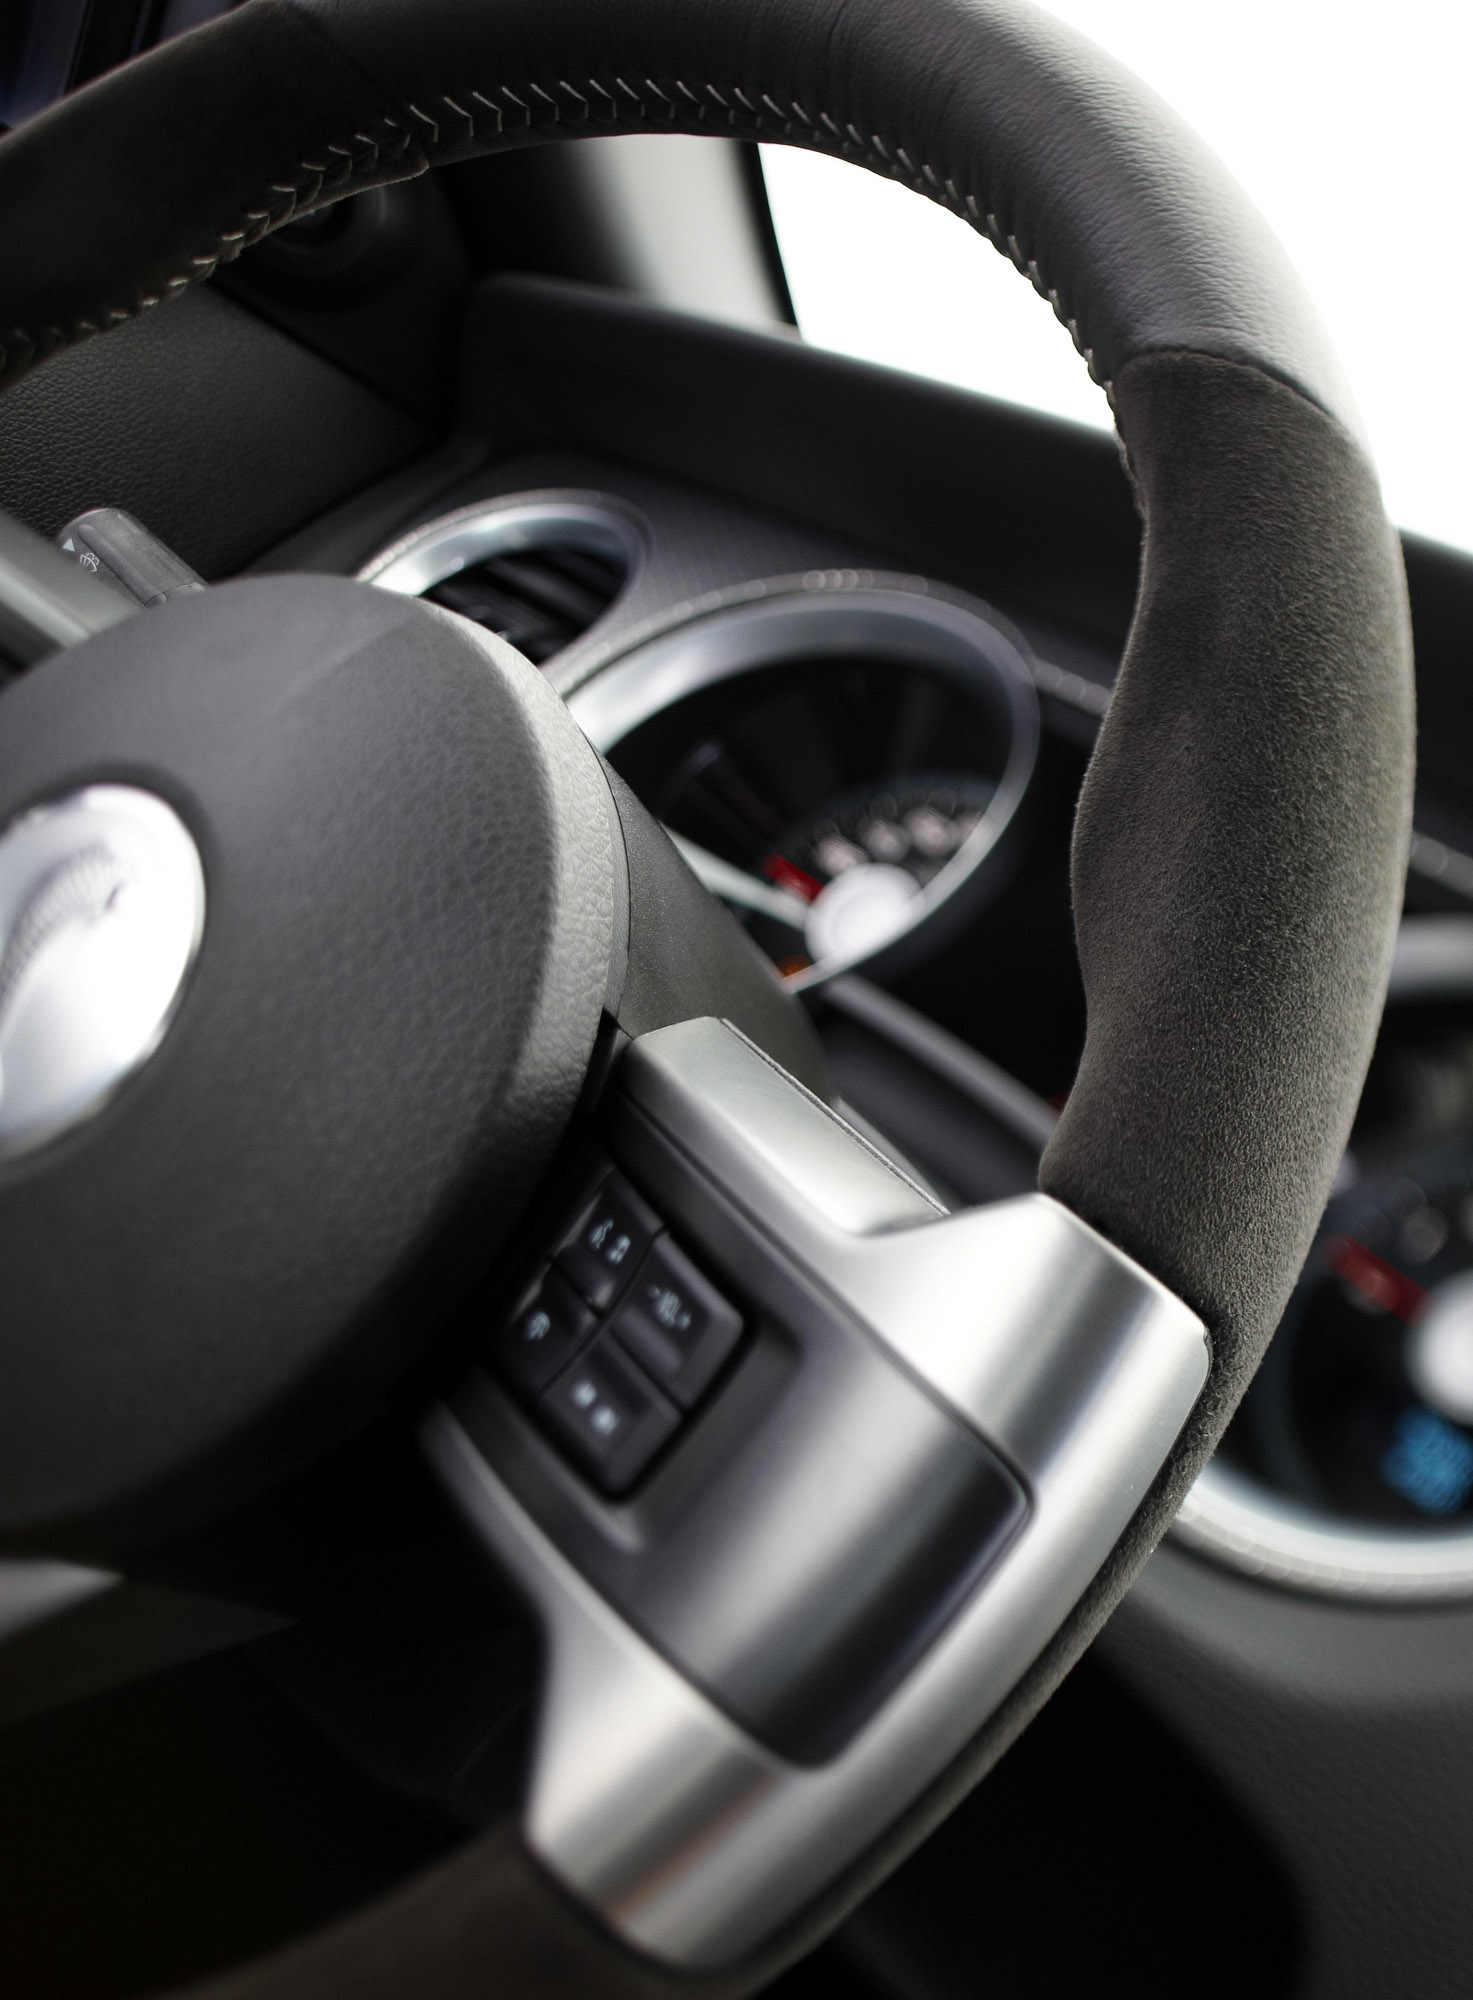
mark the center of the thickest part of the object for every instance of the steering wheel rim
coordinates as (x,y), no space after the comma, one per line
(1241,837)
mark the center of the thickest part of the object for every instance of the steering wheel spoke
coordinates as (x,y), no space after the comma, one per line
(826,1563)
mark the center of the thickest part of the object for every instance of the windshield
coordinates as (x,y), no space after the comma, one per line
(1348,127)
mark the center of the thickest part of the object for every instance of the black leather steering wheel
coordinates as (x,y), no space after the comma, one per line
(439,949)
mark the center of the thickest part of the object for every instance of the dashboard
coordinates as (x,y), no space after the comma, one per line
(850,636)
(857,760)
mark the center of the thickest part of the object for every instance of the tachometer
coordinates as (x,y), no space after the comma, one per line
(1366,1405)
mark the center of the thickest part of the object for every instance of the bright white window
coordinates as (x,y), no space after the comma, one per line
(1350,128)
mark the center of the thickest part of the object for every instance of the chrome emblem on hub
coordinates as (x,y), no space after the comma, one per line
(102,905)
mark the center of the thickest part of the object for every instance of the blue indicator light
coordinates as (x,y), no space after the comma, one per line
(1429,1461)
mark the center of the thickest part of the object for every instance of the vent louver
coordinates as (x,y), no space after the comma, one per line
(540,600)
(537,569)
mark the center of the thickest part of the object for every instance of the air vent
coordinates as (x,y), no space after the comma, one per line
(541,601)
(538,572)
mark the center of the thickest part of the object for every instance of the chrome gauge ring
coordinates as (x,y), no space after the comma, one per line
(840,765)
(1349,1469)
(538,569)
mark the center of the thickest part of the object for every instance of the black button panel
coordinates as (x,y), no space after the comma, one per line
(617,1339)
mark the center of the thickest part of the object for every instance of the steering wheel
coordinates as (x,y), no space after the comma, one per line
(340,982)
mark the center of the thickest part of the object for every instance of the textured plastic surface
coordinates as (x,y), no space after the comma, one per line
(148,418)
(407,850)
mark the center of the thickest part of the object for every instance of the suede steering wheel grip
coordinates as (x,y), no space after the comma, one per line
(1241,838)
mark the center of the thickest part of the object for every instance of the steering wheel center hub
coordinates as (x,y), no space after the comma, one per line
(102,902)
(373,1042)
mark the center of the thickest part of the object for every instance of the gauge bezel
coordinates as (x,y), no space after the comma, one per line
(1244,1525)
(1247,1527)
(906,626)
(452,542)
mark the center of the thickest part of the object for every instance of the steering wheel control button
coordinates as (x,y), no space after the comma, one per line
(102,906)
(605,1249)
(676,1324)
(611,1417)
(542,1336)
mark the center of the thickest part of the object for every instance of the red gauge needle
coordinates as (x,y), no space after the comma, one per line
(1378,1282)
(788,875)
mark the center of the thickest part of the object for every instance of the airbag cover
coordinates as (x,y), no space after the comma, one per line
(408,927)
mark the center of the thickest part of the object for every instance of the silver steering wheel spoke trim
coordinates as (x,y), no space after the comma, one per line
(690,1839)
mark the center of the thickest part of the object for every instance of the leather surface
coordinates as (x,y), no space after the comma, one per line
(126,193)
(1094,187)
(1098,192)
